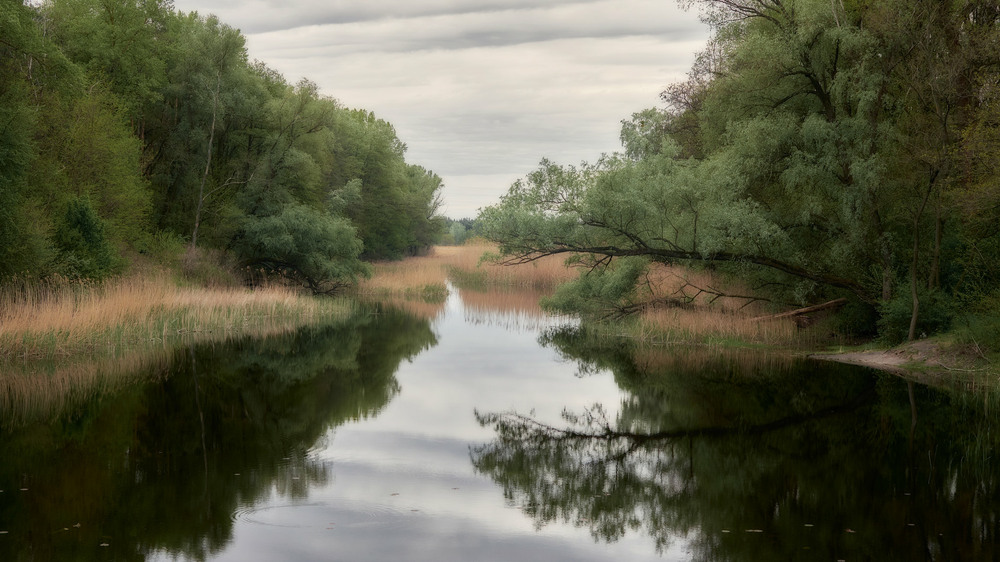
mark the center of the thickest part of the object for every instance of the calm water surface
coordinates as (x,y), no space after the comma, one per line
(489,434)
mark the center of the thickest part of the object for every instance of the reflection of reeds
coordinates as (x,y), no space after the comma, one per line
(693,359)
(42,391)
(66,318)
(514,309)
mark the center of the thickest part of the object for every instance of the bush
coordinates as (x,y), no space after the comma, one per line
(858,319)
(935,315)
(162,246)
(981,326)
(313,248)
(599,293)
(84,251)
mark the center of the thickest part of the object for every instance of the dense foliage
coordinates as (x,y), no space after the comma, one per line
(817,150)
(143,124)
(458,232)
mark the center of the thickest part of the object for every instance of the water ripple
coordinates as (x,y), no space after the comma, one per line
(323,515)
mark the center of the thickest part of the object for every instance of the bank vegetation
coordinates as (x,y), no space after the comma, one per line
(63,318)
(818,154)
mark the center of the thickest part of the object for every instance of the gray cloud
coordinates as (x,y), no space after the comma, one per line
(259,16)
(478,30)
(479,91)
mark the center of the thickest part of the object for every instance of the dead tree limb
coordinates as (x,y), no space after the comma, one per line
(831,305)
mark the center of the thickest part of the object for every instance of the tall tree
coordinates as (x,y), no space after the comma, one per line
(807,152)
(119,42)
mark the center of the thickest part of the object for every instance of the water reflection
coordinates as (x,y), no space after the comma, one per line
(326,443)
(757,460)
(165,466)
(515,309)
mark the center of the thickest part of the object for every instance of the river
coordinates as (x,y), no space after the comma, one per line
(489,433)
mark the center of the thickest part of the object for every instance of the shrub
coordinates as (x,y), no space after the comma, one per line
(935,314)
(84,251)
(981,325)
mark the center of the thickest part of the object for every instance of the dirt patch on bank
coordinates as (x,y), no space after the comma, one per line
(928,361)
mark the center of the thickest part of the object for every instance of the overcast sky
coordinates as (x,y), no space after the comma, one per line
(479,90)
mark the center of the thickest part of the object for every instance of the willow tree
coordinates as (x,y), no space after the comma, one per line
(792,181)
(799,155)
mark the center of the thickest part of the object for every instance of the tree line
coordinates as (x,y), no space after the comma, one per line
(129,127)
(816,150)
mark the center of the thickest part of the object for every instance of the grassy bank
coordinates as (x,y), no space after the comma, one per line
(64,319)
(672,306)
(943,361)
(419,277)
(419,284)
(66,344)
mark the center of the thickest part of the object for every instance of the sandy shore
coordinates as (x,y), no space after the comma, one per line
(924,360)
(877,359)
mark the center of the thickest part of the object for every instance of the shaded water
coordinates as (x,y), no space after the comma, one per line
(474,435)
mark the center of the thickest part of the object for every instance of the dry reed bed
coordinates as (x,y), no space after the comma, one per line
(407,276)
(713,326)
(543,274)
(704,316)
(489,288)
(61,319)
(507,301)
(426,277)
(63,344)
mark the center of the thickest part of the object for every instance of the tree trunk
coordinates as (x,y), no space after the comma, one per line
(934,280)
(916,259)
(912,335)
(208,164)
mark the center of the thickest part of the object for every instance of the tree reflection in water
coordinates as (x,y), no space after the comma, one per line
(767,459)
(168,466)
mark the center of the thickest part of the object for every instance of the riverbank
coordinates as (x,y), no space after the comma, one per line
(67,319)
(933,361)
(64,344)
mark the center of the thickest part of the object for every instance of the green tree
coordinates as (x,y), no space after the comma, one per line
(84,249)
(203,138)
(34,78)
(120,43)
(160,122)
(806,153)
(309,246)
(423,201)
(88,151)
